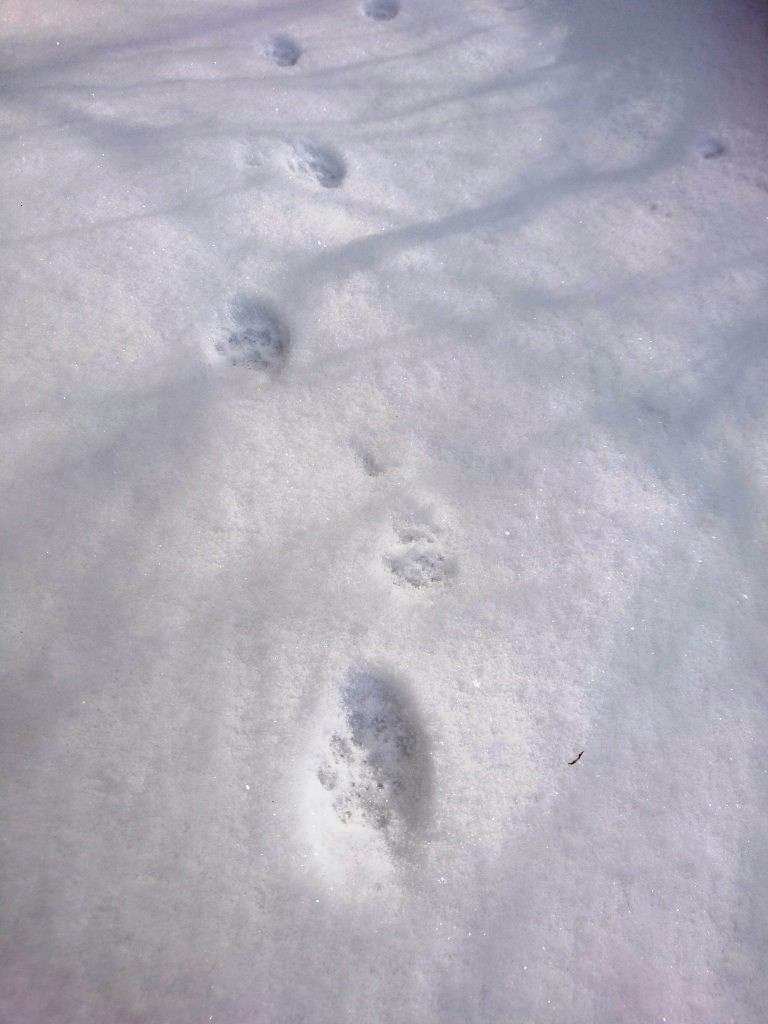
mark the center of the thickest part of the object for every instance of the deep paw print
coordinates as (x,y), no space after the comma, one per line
(417,559)
(377,769)
(257,338)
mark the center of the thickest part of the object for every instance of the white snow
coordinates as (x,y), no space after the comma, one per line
(383,424)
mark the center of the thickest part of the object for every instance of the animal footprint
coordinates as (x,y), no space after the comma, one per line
(377,769)
(322,163)
(381,10)
(710,148)
(369,460)
(257,338)
(283,51)
(417,558)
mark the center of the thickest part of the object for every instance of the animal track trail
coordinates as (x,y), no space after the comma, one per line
(282,50)
(417,558)
(378,769)
(381,10)
(321,163)
(257,338)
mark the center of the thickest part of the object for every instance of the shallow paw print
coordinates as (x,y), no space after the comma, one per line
(418,559)
(370,462)
(710,147)
(381,10)
(377,768)
(257,338)
(252,155)
(321,163)
(418,568)
(283,51)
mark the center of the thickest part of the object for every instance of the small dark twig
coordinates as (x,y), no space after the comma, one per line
(575,759)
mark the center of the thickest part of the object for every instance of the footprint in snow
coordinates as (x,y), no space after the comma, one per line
(369,461)
(377,770)
(256,338)
(710,148)
(322,163)
(283,51)
(381,10)
(417,558)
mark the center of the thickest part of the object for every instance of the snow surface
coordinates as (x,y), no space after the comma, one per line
(383,424)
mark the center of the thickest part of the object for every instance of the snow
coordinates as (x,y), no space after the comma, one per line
(384,424)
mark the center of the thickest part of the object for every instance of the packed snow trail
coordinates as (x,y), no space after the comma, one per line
(384,481)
